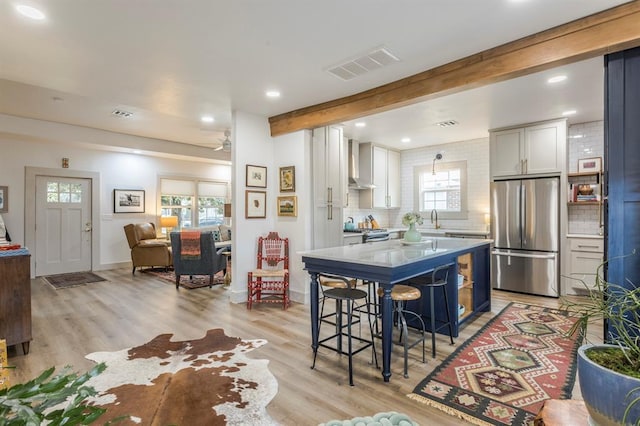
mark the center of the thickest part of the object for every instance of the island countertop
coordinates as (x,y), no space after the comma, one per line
(395,253)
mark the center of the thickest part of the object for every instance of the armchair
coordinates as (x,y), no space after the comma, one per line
(146,248)
(209,262)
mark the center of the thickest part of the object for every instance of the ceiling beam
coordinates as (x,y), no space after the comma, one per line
(606,32)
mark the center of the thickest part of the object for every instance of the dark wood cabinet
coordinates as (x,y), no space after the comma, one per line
(15,298)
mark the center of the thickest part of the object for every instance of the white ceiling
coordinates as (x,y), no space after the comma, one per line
(169,62)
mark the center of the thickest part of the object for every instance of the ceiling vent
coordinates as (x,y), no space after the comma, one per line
(447,123)
(121,113)
(373,60)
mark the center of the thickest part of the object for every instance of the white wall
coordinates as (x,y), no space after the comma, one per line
(584,219)
(115,169)
(476,153)
(253,145)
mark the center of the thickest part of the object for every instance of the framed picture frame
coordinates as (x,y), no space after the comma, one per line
(288,206)
(128,201)
(255,204)
(256,176)
(590,165)
(4,199)
(288,179)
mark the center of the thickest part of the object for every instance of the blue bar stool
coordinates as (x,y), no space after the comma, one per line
(350,296)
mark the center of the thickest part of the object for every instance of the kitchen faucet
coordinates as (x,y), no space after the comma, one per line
(434,212)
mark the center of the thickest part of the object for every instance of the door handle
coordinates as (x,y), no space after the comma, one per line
(87,227)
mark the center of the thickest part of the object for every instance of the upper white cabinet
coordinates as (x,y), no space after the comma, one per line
(330,191)
(529,150)
(380,166)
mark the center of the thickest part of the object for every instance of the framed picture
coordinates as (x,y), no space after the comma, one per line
(288,206)
(128,201)
(4,199)
(256,176)
(255,204)
(590,165)
(288,179)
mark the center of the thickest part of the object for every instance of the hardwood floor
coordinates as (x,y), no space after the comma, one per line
(129,310)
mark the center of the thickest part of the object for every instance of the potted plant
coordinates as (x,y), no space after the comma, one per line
(57,400)
(609,374)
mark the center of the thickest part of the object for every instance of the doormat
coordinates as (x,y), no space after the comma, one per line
(186,281)
(72,279)
(204,381)
(508,369)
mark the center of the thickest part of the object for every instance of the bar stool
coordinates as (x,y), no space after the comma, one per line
(401,294)
(330,282)
(436,279)
(349,295)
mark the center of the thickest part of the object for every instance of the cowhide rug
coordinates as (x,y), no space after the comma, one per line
(207,381)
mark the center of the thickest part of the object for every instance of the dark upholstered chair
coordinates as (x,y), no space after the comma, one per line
(209,262)
(146,248)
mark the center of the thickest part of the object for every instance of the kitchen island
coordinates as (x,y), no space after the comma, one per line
(392,262)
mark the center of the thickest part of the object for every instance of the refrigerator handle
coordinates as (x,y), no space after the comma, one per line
(523,215)
(527,255)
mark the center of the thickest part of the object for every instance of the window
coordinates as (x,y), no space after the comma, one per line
(61,192)
(196,203)
(443,189)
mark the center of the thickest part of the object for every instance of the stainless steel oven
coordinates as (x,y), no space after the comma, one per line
(375,235)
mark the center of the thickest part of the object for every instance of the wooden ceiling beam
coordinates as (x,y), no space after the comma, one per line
(609,31)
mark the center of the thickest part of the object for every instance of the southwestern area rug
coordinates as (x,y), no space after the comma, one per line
(504,373)
(207,381)
(193,282)
(72,279)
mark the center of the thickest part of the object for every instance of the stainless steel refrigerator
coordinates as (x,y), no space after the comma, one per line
(525,222)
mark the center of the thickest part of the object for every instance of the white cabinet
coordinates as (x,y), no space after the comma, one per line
(529,150)
(381,166)
(586,255)
(330,191)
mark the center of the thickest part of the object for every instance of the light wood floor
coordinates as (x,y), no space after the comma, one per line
(126,311)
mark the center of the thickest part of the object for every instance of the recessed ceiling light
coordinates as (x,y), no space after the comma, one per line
(273,94)
(137,151)
(360,124)
(206,119)
(557,79)
(576,136)
(405,140)
(30,12)
(570,112)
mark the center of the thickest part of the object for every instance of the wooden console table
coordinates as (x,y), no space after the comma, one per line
(15,297)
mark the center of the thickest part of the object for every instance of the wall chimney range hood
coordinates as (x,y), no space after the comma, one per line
(355,182)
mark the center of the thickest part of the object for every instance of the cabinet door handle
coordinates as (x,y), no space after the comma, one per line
(586,246)
(329,211)
(347,196)
(526,165)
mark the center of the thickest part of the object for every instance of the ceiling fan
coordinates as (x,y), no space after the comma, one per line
(226,142)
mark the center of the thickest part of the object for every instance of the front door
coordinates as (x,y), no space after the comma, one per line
(63,225)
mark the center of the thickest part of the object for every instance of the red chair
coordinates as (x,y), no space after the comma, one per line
(269,282)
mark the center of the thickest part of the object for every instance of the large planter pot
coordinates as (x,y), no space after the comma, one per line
(606,393)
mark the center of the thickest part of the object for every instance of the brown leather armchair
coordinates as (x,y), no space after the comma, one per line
(146,248)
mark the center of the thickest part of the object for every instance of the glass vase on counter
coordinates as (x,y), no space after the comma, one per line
(412,235)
